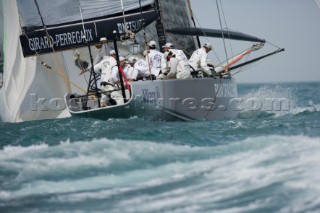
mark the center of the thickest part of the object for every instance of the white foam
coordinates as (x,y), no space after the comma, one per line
(221,174)
(284,101)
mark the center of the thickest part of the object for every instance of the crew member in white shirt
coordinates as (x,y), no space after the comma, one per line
(153,58)
(142,67)
(179,69)
(130,72)
(179,54)
(104,49)
(199,61)
(109,80)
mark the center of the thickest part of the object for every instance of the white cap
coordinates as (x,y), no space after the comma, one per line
(208,45)
(165,55)
(121,58)
(168,45)
(132,60)
(145,53)
(112,52)
(152,44)
(103,39)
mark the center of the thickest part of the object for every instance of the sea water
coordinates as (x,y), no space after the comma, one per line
(265,160)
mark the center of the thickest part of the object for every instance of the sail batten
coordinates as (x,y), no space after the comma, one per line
(227,34)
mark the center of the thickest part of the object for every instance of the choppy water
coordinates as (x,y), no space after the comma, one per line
(262,161)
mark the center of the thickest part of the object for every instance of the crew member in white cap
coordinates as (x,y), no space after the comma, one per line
(179,54)
(109,81)
(179,69)
(199,61)
(154,59)
(129,71)
(104,49)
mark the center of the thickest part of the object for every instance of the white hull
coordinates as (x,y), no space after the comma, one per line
(193,99)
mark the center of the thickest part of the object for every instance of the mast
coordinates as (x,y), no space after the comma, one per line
(159,27)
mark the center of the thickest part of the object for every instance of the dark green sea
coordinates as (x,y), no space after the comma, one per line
(265,160)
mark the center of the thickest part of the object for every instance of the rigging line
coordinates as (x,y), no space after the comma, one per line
(67,82)
(225,22)
(84,29)
(37,5)
(224,43)
(245,68)
(58,73)
(216,55)
(61,74)
(194,23)
(95,28)
(82,68)
(181,47)
(124,18)
(201,27)
(273,45)
(91,60)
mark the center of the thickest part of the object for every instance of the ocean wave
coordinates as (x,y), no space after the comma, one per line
(140,176)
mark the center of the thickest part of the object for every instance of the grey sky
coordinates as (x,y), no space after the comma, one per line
(291,24)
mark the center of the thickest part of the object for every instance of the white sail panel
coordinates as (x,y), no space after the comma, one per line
(65,11)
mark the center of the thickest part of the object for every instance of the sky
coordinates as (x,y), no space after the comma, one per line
(290,24)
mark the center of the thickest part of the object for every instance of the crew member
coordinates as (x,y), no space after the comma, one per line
(179,54)
(153,59)
(199,61)
(130,72)
(109,81)
(179,69)
(142,67)
(104,49)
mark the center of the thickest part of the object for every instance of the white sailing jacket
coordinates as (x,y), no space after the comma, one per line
(141,68)
(198,61)
(165,66)
(130,72)
(179,69)
(103,51)
(109,70)
(154,58)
